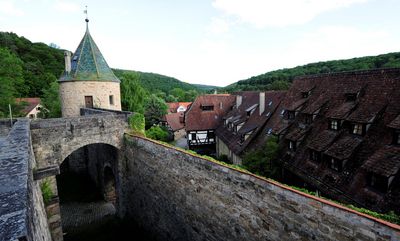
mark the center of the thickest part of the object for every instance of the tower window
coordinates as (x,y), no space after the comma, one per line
(111,98)
(357,129)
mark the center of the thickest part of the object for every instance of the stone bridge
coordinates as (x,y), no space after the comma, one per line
(172,194)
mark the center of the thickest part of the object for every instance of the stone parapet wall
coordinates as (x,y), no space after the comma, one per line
(22,215)
(178,196)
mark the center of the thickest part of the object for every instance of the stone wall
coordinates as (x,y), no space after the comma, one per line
(72,95)
(177,196)
(5,127)
(38,225)
(22,215)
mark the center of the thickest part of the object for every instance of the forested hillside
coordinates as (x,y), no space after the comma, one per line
(280,79)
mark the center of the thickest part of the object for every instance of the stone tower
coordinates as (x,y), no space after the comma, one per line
(87,80)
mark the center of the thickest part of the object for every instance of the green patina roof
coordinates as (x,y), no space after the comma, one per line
(88,63)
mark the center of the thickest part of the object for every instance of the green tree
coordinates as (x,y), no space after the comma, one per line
(178,93)
(51,102)
(190,95)
(155,109)
(279,85)
(10,79)
(261,161)
(171,98)
(137,124)
(158,133)
(133,96)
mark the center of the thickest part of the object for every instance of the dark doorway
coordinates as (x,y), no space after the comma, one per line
(89,101)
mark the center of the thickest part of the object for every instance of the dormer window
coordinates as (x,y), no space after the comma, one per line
(308,118)
(269,131)
(270,103)
(396,137)
(305,94)
(292,145)
(315,155)
(351,96)
(378,182)
(239,126)
(291,115)
(335,164)
(334,125)
(207,107)
(358,129)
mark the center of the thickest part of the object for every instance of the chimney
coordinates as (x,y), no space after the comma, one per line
(262,102)
(67,57)
(238,101)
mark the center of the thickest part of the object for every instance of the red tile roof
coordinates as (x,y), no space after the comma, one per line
(174,121)
(385,161)
(173,106)
(395,123)
(198,119)
(255,122)
(31,103)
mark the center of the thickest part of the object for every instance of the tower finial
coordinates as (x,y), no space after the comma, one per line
(87,18)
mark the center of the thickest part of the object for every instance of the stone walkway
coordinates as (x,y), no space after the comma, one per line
(78,216)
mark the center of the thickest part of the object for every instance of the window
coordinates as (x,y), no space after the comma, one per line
(335,164)
(396,137)
(210,135)
(308,119)
(270,103)
(31,116)
(351,96)
(292,145)
(378,182)
(305,94)
(291,115)
(193,136)
(207,107)
(357,129)
(282,112)
(334,125)
(315,156)
(269,131)
(111,99)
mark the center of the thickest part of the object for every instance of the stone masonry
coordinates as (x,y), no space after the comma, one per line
(177,196)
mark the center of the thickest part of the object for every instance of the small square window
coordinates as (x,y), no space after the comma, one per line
(358,129)
(334,125)
(335,164)
(315,155)
(111,99)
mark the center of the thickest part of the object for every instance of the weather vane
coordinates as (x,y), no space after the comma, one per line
(85,11)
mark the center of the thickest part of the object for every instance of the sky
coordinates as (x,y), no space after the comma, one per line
(213,42)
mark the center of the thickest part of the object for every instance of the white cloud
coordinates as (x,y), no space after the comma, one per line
(218,26)
(68,7)
(279,13)
(8,8)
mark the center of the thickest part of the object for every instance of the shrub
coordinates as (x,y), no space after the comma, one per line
(47,192)
(137,123)
(158,133)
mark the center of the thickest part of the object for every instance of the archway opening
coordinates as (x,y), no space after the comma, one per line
(87,189)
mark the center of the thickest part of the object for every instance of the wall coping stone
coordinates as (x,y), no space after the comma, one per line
(274,183)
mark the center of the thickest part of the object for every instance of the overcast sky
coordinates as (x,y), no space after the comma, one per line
(214,42)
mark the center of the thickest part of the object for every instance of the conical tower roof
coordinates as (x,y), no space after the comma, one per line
(88,63)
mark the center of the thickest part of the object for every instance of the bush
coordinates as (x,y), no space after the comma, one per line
(137,123)
(47,192)
(158,133)
(260,161)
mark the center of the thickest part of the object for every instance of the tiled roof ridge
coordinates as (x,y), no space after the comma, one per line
(349,72)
